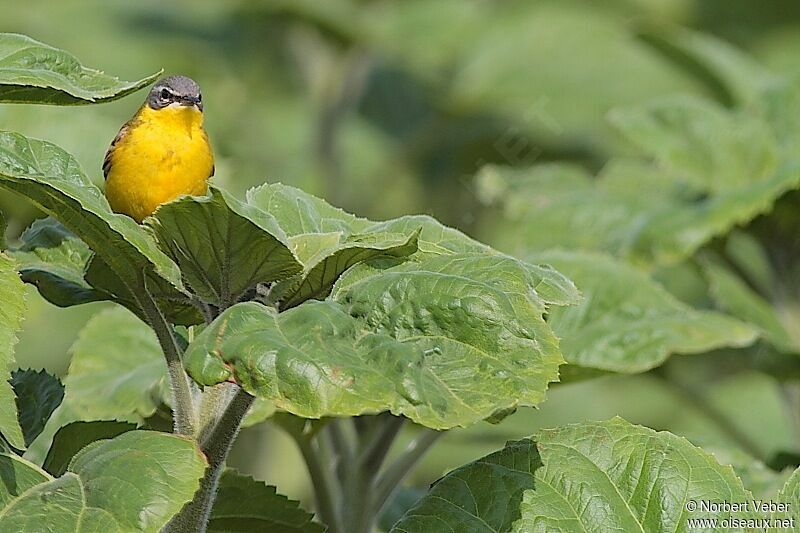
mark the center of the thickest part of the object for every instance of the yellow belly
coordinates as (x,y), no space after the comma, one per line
(164,154)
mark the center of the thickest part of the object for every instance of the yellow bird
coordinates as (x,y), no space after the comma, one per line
(161,153)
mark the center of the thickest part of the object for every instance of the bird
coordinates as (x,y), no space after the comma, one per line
(163,152)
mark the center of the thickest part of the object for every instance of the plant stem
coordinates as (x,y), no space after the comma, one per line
(394,475)
(325,488)
(193,518)
(723,422)
(182,401)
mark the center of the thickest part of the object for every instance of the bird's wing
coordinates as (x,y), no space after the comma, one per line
(123,131)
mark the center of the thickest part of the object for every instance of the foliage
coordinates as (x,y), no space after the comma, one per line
(643,179)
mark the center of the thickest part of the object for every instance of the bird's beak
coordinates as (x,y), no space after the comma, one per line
(192,101)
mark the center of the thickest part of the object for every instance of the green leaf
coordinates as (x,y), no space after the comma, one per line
(244,505)
(54,260)
(127,256)
(734,296)
(298,212)
(789,494)
(38,394)
(70,439)
(12,294)
(116,372)
(134,482)
(631,210)
(439,348)
(35,73)
(627,322)
(708,147)
(484,495)
(325,266)
(614,476)
(223,247)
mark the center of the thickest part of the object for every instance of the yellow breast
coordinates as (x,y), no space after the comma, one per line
(164,154)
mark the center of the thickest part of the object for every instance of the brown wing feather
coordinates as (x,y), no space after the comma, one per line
(120,135)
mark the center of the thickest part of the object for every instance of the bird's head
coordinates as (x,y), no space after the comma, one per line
(175,91)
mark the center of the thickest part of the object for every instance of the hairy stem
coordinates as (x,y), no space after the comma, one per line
(182,399)
(194,515)
(388,482)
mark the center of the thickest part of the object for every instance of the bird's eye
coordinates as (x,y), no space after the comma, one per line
(165,94)
(199,97)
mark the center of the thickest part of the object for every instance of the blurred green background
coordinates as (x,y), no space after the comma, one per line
(389,107)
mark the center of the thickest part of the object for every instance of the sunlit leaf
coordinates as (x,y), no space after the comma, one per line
(134,482)
(54,260)
(628,323)
(12,311)
(35,73)
(70,439)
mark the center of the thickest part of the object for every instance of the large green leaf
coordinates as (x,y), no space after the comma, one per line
(483,496)
(12,294)
(244,505)
(631,478)
(35,73)
(627,322)
(127,256)
(134,482)
(54,260)
(440,349)
(632,209)
(224,247)
(38,394)
(593,477)
(707,147)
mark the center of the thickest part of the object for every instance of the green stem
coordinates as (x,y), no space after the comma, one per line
(325,487)
(394,475)
(193,518)
(723,422)
(182,400)
(358,510)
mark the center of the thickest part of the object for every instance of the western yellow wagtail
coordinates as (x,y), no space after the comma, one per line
(161,153)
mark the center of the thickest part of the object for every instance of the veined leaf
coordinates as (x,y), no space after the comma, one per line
(593,477)
(52,179)
(223,247)
(484,495)
(325,266)
(244,505)
(38,394)
(35,73)
(632,479)
(627,322)
(12,294)
(134,482)
(54,260)
(298,212)
(441,349)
